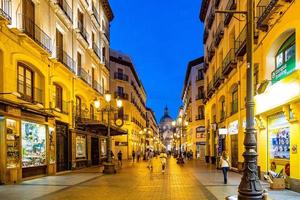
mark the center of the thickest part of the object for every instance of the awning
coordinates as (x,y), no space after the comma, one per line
(100,128)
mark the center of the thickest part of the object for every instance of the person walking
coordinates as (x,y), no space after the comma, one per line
(120,158)
(150,160)
(224,163)
(133,155)
(138,155)
(163,158)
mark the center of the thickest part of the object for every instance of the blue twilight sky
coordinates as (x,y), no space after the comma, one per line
(161,37)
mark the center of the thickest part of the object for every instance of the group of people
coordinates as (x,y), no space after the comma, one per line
(150,154)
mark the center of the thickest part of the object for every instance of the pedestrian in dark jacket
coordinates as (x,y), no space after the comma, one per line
(120,158)
(133,155)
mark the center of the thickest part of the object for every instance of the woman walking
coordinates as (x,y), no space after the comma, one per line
(224,162)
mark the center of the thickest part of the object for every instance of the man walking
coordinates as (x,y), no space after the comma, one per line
(133,155)
(120,158)
(150,160)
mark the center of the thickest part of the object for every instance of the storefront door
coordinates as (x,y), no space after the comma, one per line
(95,151)
(62,159)
(234,150)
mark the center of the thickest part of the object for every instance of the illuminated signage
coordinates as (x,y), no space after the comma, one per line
(223,131)
(233,127)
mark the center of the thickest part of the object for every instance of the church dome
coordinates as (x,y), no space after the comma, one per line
(166,118)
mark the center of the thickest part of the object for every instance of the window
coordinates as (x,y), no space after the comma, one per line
(223,108)
(92,112)
(59,45)
(120,90)
(103,54)
(78,106)
(200,75)
(80,21)
(286,51)
(25,81)
(201,112)
(58,96)
(234,108)
(200,92)
(79,63)
(120,71)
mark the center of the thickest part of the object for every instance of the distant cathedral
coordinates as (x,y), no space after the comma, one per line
(166,129)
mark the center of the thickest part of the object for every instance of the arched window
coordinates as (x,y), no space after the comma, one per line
(25,82)
(235,101)
(58,96)
(200,112)
(78,106)
(222,108)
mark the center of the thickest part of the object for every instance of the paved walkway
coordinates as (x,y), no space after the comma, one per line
(194,180)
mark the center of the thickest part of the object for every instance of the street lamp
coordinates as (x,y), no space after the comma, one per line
(250,187)
(109,166)
(180,124)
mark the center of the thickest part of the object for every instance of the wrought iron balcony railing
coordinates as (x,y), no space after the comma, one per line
(205,35)
(83,31)
(28,26)
(63,4)
(97,50)
(123,77)
(121,95)
(218,78)
(211,52)
(84,75)
(211,17)
(65,59)
(30,93)
(95,13)
(98,87)
(229,62)
(199,117)
(210,89)
(219,34)
(62,106)
(240,43)
(5,9)
(231,5)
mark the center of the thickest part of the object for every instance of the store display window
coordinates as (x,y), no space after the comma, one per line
(33,144)
(103,147)
(12,143)
(81,146)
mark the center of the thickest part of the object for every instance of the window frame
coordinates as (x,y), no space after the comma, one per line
(24,94)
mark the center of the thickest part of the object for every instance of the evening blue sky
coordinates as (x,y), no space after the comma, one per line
(161,37)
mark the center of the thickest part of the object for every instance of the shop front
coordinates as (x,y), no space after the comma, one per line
(27,144)
(200,142)
(233,130)
(62,147)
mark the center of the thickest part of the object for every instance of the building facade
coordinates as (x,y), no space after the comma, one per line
(54,63)
(193,107)
(276,83)
(166,130)
(126,84)
(154,137)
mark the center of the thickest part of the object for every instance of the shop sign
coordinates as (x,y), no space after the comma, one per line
(233,127)
(200,135)
(284,70)
(200,129)
(223,131)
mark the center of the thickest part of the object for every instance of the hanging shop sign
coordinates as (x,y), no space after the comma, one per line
(223,131)
(117,143)
(233,127)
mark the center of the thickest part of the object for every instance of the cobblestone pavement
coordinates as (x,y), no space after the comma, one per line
(133,181)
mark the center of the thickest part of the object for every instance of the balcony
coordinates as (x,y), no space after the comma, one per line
(65,59)
(123,96)
(36,95)
(98,87)
(199,117)
(229,63)
(240,43)
(200,96)
(121,76)
(219,34)
(205,65)
(82,31)
(105,62)
(218,78)
(211,18)
(106,32)
(210,89)
(95,16)
(231,5)
(205,35)
(96,50)
(36,34)
(62,106)
(266,9)
(5,10)
(211,52)
(84,75)
(66,9)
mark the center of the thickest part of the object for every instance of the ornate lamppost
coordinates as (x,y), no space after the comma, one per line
(109,166)
(180,124)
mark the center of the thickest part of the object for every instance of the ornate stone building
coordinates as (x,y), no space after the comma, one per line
(166,129)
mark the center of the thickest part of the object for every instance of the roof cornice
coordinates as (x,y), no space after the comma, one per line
(203,10)
(107,9)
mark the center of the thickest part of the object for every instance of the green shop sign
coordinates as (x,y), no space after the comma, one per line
(284,70)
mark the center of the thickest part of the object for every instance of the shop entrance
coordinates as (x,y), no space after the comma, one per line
(95,151)
(62,147)
(234,150)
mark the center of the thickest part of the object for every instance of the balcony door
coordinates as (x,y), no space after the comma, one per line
(59,45)
(28,17)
